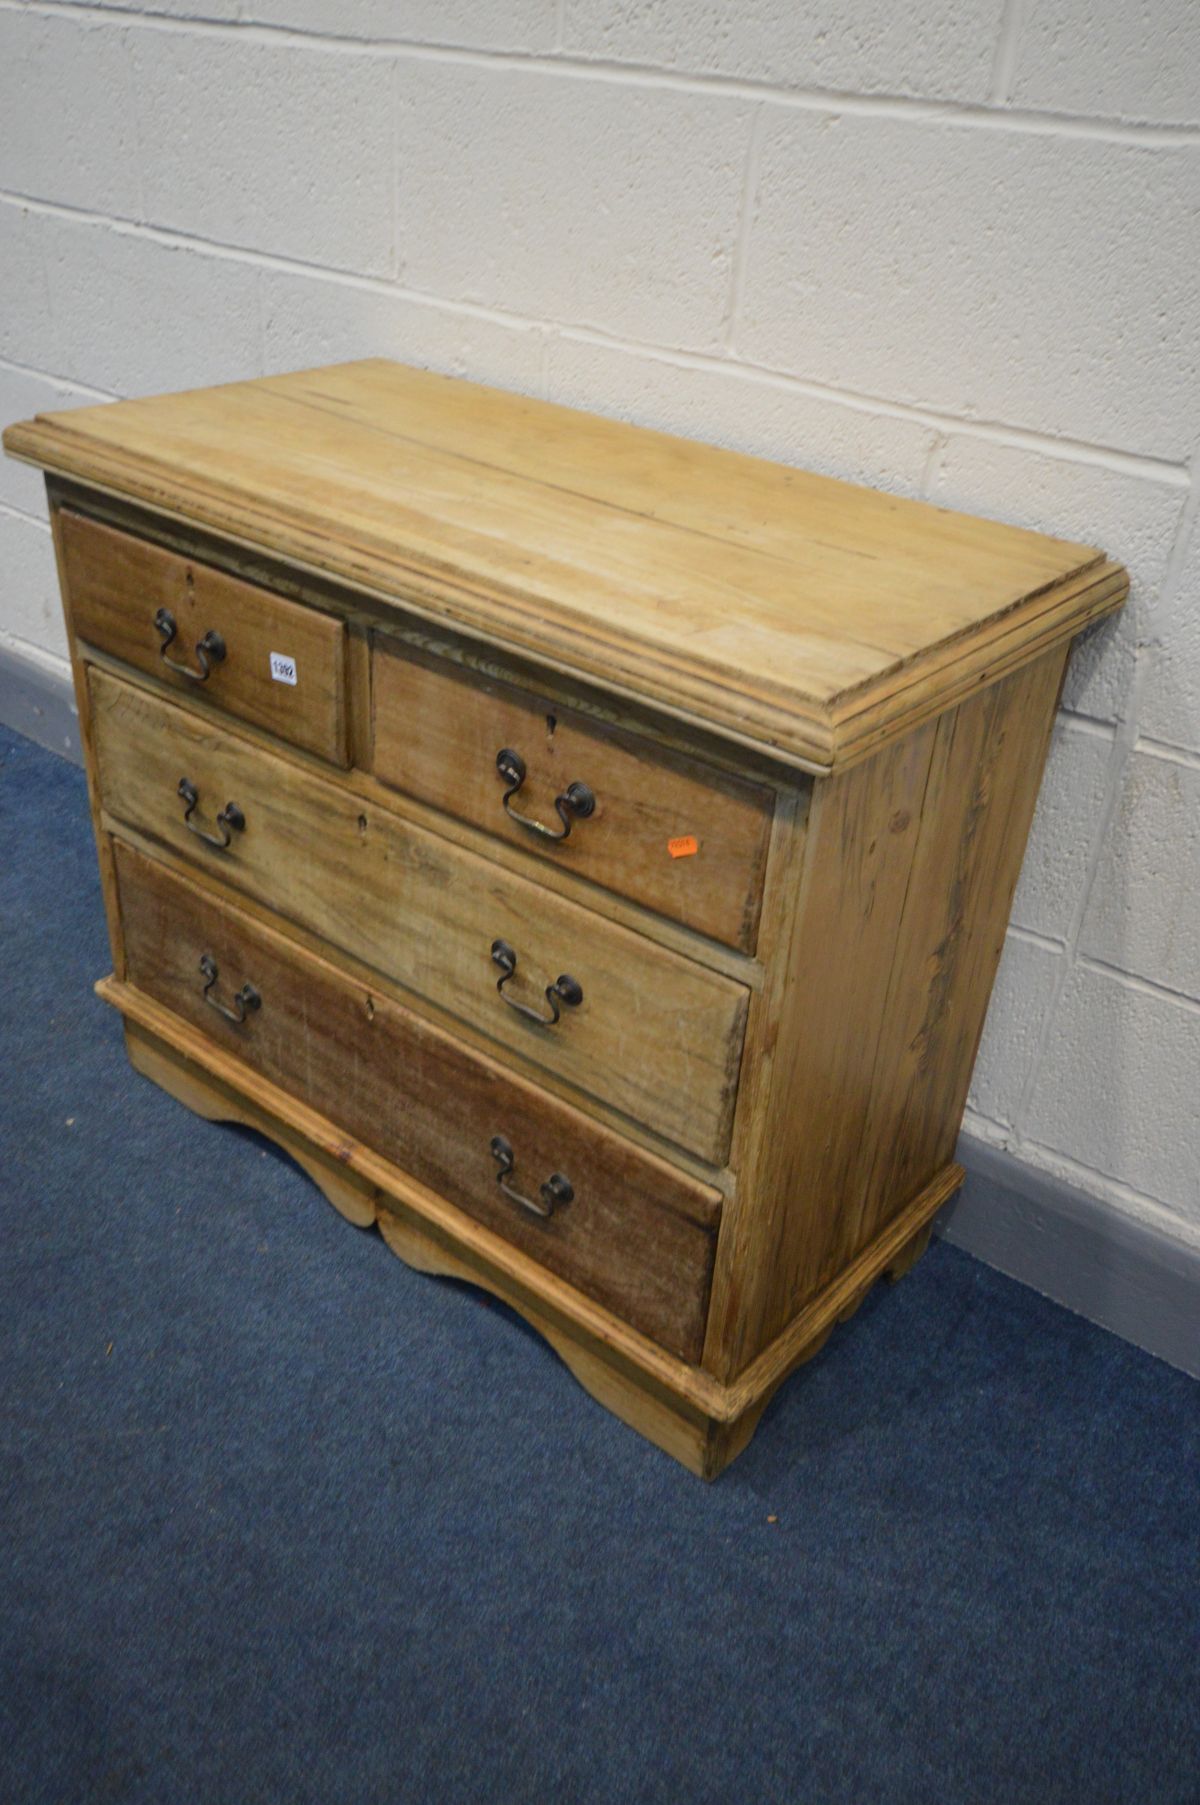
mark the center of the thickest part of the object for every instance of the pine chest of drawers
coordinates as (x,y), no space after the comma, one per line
(588,853)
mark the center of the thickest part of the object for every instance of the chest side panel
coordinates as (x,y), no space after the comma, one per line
(910,865)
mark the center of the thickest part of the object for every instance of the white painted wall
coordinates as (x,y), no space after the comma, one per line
(949,248)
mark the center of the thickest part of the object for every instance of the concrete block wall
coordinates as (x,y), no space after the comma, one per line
(951,249)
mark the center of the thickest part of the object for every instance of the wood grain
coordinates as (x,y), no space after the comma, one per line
(656,1035)
(507,855)
(910,865)
(438,729)
(844,698)
(978,808)
(695,1419)
(637,1235)
(116,584)
(351,1196)
(786,610)
(108,876)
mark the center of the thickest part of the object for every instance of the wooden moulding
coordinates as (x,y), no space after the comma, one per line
(805,618)
(697,1420)
(789,1028)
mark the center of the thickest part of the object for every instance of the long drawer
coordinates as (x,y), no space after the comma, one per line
(648,1031)
(671,832)
(625,1228)
(224,642)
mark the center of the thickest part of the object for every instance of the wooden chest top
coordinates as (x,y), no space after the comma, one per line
(808,618)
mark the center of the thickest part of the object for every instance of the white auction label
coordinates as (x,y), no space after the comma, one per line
(283,670)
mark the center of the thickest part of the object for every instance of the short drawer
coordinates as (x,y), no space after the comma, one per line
(652,1033)
(625,1228)
(218,639)
(672,833)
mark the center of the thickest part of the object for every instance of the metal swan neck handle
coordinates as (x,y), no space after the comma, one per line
(575,803)
(555,1194)
(246,1000)
(565,990)
(230,820)
(210,648)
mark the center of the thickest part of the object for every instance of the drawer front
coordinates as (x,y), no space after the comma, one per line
(670,832)
(651,1033)
(634,1234)
(283,666)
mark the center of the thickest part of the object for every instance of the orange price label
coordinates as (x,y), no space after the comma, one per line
(683,847)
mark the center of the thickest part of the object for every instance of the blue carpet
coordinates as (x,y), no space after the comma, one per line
(284,1521)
